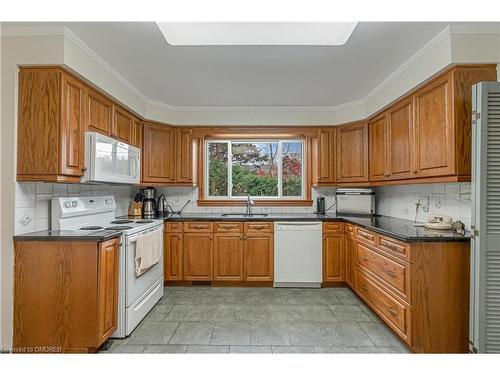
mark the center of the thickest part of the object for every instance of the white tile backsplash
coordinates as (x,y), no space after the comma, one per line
(33,201)
(451,199)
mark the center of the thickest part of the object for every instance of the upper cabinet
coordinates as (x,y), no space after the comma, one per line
(50,126)
(352,153)
(158,154)
(169,155)
(123,125)
(391,143)
(98,113)
(325,156)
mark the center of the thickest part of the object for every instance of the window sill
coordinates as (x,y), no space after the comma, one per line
(258,203)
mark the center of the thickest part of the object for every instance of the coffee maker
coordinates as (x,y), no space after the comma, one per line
(148,204)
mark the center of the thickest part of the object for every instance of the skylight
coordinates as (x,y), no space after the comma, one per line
(256,33)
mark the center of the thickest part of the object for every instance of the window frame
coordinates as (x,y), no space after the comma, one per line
(279,198)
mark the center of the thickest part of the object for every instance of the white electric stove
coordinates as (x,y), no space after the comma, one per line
(136,295)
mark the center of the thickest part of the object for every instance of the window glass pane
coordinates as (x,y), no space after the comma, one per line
(217,169)
(291,169)
(255,169)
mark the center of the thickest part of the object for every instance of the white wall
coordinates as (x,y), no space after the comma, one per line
(451,199)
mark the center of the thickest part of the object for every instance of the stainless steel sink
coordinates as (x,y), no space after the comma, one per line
(243,215)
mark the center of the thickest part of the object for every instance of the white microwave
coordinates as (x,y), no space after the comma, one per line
(108,160)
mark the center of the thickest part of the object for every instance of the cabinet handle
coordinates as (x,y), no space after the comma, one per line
(364,287)
(391,311)
(84,169)
(365,259)
(242,237)
(414,171)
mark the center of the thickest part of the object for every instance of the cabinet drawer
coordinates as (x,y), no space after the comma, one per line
(394,274)
(173,227)
(395,313)
(394,247)
(198,226)
(366,236)
(228,227)
(259,227)
(333,228)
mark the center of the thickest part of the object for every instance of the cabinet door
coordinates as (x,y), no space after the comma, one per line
(334,258)
(326,156)
(123,125)
(137,136)
(158,154)
(350,261)
(434,131)
(184,155)
(378,148)
(99,113)
(259,253)
(401,145)
(108,287)
(198,256)
(352,153)
(228,256)
(72,125)
(172,259)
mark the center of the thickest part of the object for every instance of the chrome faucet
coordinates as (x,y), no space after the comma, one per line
(249,205)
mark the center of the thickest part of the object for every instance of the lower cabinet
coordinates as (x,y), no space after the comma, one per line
(198,256)
(219,251)
(65,295)
(350,256)
(333,252)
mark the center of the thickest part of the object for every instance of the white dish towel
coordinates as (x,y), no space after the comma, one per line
(148,250)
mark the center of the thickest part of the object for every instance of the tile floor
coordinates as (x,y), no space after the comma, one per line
(259,320)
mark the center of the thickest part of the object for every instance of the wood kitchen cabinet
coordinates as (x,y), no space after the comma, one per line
(259,251)
(158,161)
(352,153)
(123,125)
(98,113)
(333,252)
(185,156)
(325,157)
(76,309)
(228,251)
(198,251)
(378,148)
(350,256)
(50,126)
(172,252)
(137,136)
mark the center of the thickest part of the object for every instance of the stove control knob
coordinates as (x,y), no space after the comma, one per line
(108,201)
(74,203)
(67,204)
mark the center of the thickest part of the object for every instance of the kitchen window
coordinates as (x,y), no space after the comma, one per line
(265,169)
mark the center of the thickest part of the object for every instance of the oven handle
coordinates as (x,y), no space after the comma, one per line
(134,238)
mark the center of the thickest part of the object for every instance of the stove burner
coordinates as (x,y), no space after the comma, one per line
(119,227)
(91,227)
(144,221)
(123,221)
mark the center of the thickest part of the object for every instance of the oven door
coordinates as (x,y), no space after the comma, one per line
(137,286)
(109,160)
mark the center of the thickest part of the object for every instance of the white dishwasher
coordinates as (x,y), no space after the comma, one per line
(298,255)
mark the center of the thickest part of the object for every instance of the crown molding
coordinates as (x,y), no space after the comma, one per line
(490,28)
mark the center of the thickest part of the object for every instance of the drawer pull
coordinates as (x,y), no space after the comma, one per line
(365,259)
(364,287)
(391,311)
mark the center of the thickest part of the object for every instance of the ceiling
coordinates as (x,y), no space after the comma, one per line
(206,76)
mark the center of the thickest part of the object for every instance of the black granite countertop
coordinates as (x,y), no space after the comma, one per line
(69,235)
(401,229)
